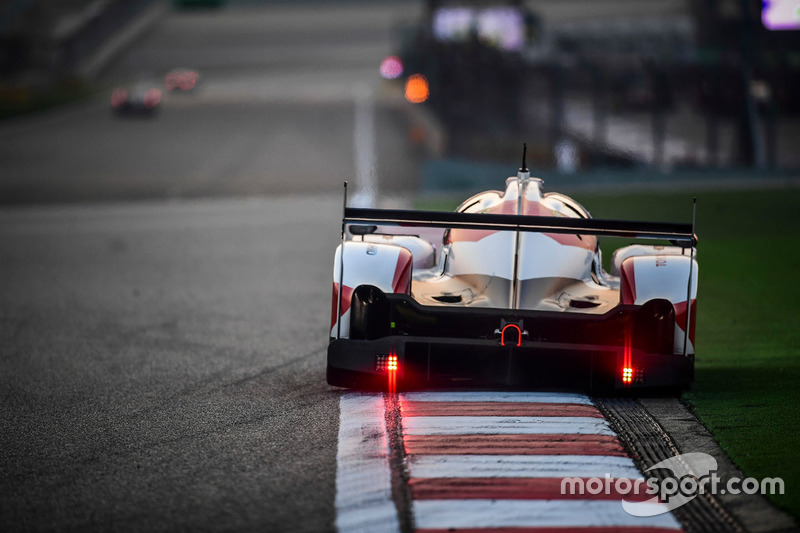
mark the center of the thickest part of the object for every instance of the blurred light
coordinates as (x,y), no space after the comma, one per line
(503,27)
(781,14)
(152,97)
(452,23)
(760,90)
(417,89)
(417,135)
(180,79)
(499,26)
(392,374)
(391,68)
(119,97)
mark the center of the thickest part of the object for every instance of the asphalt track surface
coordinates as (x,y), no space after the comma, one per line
(162,360)
(162,336)
(273,112)
(163,366)
(194,149)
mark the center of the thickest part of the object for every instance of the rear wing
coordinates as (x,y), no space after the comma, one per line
(680,234)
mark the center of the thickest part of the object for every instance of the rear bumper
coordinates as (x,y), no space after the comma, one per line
(432,361)
(438,345)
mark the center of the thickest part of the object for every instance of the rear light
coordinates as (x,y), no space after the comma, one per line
(386,363)
(627,375)
(632,375)
(118,97)
(389,364)
(151,98)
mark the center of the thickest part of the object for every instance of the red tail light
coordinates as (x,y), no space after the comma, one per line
(152,97)
(627,375)
(386,363)
(391,374)
(118,97)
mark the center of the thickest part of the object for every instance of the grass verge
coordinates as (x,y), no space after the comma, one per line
(747,384)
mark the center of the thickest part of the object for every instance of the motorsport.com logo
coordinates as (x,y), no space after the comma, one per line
(692,474)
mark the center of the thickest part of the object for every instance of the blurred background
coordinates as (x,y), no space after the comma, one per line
(188,337)
(241,97)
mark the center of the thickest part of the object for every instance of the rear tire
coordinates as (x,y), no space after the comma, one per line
(369,313)
(655,327)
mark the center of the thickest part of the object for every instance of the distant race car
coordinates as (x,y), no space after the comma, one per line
(510,290)
(181,79)
(143,97)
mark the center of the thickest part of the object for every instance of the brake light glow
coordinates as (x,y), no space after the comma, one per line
(627,360)
(386,363)
(151,98)
(118,97)
(627,375)
(391,365)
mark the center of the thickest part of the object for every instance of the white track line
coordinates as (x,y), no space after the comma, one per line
(478,396)
(504,425)
(445,514)
(366,189)
(363,475)
(521,466)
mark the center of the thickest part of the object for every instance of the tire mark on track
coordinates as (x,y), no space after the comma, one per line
(648,444)
(401,488)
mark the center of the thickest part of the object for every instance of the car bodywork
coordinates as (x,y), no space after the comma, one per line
(181,79)
(510,290)
(143,98)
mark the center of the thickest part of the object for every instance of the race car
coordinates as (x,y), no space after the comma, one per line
(181,79)
(510,290)
(143,98)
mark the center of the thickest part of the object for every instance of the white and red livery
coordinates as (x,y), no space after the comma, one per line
(510,289)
